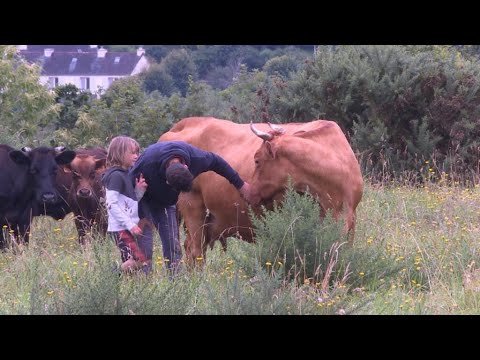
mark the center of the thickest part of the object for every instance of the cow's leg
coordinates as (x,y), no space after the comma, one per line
(4,203)
(101,221)
(19,233)
(349,228)
(223,241)
(21,230)
(195,216)
(217,230)
(3,243)
(22,233)
(81,225)
(347,214)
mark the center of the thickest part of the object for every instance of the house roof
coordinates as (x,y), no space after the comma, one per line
(61,48)
(66,60)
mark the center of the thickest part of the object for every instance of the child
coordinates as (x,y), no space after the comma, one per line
(122,202)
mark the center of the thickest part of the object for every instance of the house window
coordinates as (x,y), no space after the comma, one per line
(52,82)
(72,65)
(111,80)
(85,83)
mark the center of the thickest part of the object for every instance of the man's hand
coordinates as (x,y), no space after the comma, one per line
(245,192)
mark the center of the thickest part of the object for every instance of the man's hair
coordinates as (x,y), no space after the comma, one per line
(179,177)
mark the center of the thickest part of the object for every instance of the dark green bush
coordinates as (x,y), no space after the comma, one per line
(401,105)
(294,240)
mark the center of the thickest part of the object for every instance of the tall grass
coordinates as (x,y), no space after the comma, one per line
(416,251)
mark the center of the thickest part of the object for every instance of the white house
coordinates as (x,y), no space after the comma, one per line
(88,67)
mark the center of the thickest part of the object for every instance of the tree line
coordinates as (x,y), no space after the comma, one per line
(405,109)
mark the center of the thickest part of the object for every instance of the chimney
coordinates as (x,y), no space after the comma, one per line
(22,47)
(140,51)
(101,52)
(48,52)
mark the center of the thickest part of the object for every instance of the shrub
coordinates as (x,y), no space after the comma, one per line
(294,240)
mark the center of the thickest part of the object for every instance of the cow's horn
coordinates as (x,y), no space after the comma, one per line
(59,149)
(26,149)
(261,134)
(277,128)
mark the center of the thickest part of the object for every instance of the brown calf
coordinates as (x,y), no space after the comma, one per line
(82,178)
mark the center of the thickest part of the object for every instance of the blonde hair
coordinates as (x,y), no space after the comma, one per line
(117,149)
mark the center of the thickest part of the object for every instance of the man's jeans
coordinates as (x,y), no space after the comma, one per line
(165,221)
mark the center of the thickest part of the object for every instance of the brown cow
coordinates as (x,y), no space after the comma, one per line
(315,155)
(81,180)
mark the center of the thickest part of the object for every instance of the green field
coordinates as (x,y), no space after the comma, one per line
(416,252)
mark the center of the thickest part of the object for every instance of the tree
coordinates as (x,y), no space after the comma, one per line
(120,48)
(27,108)
(282,65)
(71,100)
(157,79)
(124,109)
(157,52)
(113,114)
(179,65)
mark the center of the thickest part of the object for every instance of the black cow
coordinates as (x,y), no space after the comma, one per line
(27,186)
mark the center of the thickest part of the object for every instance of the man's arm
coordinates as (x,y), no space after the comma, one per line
(214,162)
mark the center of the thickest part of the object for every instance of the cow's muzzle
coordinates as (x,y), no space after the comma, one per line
(84,193)
(48,197)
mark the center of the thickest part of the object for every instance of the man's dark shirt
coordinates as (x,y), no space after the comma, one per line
(152,164)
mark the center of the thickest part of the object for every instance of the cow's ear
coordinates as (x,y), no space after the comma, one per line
(100,164)
(19,157)
(272,151)
(65,157)
(301,132)
(66,168)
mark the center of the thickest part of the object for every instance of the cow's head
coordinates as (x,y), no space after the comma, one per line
(42,164)
(271,169)
(85,170)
